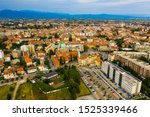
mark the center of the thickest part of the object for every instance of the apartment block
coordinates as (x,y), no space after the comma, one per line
(131,59)
(126,81)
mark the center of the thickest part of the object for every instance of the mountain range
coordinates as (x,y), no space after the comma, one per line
(26,14)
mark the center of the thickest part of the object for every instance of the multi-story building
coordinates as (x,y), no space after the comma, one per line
(131,59)
(126,81)
(15,53)
(91,60)
(142,48)
(28,48)
(1,54)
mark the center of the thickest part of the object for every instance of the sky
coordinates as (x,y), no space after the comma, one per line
(122,7)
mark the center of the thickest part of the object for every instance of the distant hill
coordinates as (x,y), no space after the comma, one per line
(12,14)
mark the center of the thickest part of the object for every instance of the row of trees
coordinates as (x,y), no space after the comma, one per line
(144,59)
(72,78)
(2,45)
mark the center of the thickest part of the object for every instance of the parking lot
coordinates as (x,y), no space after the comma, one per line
(97,86)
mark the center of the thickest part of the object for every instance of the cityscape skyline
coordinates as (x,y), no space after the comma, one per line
(138,7)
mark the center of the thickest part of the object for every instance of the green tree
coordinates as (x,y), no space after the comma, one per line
(9,96)
(50,53)
(39,74)
(72,91)
(70,38)
(119,42)
(22,62)
(56,35)
(46,62)
(37,61)
(62,60)
(43,46)
(2,45)
(85,48)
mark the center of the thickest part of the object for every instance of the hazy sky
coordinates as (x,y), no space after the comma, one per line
(141,7)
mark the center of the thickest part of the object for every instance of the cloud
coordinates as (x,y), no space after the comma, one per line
(87,1)
(125,2)
(41,0)
(80,6)
(111,2)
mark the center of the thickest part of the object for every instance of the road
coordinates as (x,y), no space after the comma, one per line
(119,90)
(16,88)
(88,97)
(98,88)
(104,90)
(104,79)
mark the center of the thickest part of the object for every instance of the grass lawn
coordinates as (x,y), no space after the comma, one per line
(1,78)
(64,94)
(25,92)
(29,91)
(6,90)
(84,90)
(58,80)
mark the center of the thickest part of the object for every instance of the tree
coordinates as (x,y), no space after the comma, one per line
(15,46)
(37,61)
(46,62)
(70,38)
(43,46)
(97,47)
(62,60)
(144,59)
(85,48)
(39,74)
(72,91)
(71,58)
(22,62)
(7,64)
(119,42)
(66,76)
(55,51)
(1,78)
(50,53)
(11,88)
(8,96)
(2,45)
(76,86)
(56,35)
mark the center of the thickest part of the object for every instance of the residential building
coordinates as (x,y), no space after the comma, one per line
(42,68)
(20,70)
(91,60)
(10,73)
(15,53)
(131,59)
(31,70)
(52,75)
(126,81)
(1,54)
(7,58)
(28,61)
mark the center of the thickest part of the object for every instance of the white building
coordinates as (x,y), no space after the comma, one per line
(130,84)
(31,70)
(1,54)
(126,81)
(28,48)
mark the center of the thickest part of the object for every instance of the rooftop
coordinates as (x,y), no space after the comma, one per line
(51,74)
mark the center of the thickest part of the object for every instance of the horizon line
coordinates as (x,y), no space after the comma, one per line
(145,15)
